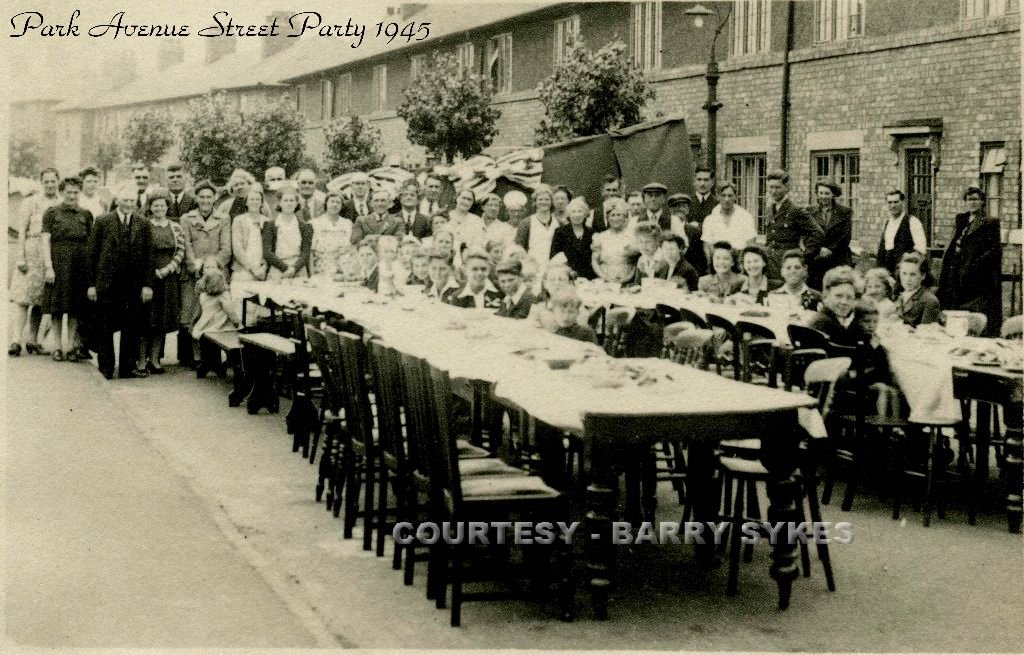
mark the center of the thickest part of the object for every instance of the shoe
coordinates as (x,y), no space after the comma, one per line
(137,373)
(155,370)
(58,356)
(35,349)
(14,350)
(71,357)
(108,374)
(84,354)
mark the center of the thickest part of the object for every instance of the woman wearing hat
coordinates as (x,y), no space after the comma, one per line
(836,224)
(972,263)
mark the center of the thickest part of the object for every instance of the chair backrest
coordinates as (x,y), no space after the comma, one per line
(722,323)
(976,323)
(446,455)
(387,389)
(1013,328)
(754,330)
(329,372)
(417,417)
(805,338)
(359,415)
(616,326)
(692,317)
(672,330)
(668,314)
(691,347)
(821,377)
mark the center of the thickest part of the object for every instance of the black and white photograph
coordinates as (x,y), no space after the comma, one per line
(660,326)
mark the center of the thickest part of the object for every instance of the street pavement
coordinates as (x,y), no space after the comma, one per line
(147,513)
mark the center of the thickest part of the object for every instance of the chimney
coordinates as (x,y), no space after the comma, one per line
(275,44)
(407,9)
(218,47)
(171,52)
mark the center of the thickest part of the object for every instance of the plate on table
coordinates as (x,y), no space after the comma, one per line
(986,358)
(755,313)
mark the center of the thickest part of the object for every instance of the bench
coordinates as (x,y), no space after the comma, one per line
(260,354)
(210,346)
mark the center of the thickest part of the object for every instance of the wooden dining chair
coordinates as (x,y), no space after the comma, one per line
(667,314)
(362,462)
(668,337)
(331,414)
(808,345)
(616,326)
(487,498)
(692,317)
(740,475)
(757,344)
(1012,328)
(727,334)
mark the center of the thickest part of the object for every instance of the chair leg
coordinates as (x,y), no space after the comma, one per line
(382,508)
(370,464)
(734,541)
(753,511)
(929,472)
(456,581)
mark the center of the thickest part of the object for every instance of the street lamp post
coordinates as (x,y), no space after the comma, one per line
(699,13)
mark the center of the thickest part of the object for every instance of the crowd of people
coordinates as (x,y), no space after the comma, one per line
(159,260)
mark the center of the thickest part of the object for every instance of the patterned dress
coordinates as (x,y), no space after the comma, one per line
(68,228)
(167,250)
(27,288)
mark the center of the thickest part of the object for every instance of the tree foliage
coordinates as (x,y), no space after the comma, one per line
(148,136)
(351,145)
(591,93)
(26,156)
(105,153)
(448,111)
(209,137)
(272,135)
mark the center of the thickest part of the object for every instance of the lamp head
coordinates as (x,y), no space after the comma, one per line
(699,13)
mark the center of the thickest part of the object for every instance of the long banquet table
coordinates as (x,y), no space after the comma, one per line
(618,407)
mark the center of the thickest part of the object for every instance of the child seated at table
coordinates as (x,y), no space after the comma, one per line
(650,263)
(794,294)
(556,277)
(478,292)
(916,305)
(517,301)
(836,318)
(880,287)
(390,270)
(565,308)
(367,252)
(419,265)
(677,269)
(218,313)
(443,284)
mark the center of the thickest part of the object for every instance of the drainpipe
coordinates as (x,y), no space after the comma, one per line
(784,111)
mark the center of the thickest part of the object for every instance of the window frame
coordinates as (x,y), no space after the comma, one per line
(416,65)
(985,180)
(465,55)
(343,82)
(326,99)
(849,185)
(497,44)
(974,10)
(838,15)
(379,88)
(563,28)
(645,34)
(740,41)
(744,159)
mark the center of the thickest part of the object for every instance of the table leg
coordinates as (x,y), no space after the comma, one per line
(703,493)
(780,456)
(476,412)
(1012,467)
(982,437)
(601,501)
(240,385)
(259,365)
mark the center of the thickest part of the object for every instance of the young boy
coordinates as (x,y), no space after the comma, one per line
(419,264)
(915,305)
(442,283)
(794,292)
(836,318)
(367,252)
(565,306)
(478,291)
(518,300)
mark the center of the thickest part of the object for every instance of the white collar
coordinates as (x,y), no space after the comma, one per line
(518,295)
(467,293)
(785,289)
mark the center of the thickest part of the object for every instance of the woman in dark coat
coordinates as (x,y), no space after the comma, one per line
(65,235)
(972,264)
(836,223)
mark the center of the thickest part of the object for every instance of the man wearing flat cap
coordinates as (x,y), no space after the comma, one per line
(836,224)
(655,194)
(680,206)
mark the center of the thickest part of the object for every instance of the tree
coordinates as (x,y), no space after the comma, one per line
(448,111)
(26,156)
(209,137)
(105,154)
(352,145)
(272,135)
(591,93)
(148,136)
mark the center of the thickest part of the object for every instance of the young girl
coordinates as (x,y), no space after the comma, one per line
(879,287)
(218,313)
(287,240)
(723,281)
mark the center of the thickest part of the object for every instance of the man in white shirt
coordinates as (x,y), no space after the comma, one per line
(358,203)
(728,222)
(431,203)
(902,233)
(416,223)
(311,199)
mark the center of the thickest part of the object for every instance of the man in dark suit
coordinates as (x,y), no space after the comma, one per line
(358,203)
(478,291)
(787,226)
(416,224)
(180,201)
(972,264)
(836,223)
(431,204)
(120,281)
(610,188)
(518,300)
(378,221)
(140,173)
(311,199)
(704,195)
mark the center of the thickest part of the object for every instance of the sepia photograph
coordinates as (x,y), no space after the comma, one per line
(660,326)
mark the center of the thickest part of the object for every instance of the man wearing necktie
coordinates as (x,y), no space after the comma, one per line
(311,199)
(416,223)
(379,221)
(358,203)
(787,226)
(431,205)
(654,202)
(181,200)
(704,196)
(120,274)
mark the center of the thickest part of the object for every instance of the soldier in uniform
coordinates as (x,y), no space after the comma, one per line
(786,225)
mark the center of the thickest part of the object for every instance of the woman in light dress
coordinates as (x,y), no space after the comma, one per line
(615,249)
(332,235)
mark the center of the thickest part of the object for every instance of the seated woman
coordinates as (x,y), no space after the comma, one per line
(574,240)
(724,281)
(915,305)
(287,240)
(650,264)
(478,292)
(757,286)
(677,269)
(880,287)
(565,309)
(556,277)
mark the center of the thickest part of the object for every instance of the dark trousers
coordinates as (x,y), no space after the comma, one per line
(114,315)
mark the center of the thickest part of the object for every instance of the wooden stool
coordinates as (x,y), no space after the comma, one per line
(932,463)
